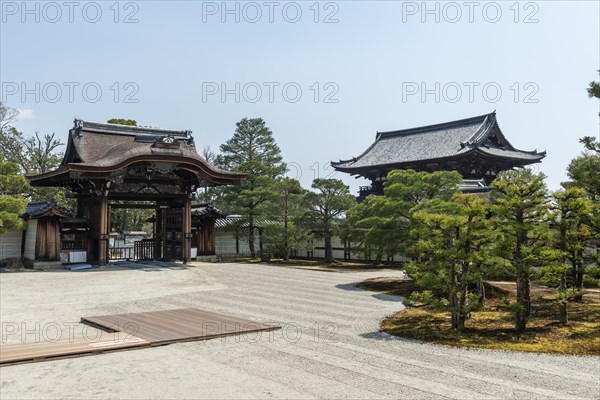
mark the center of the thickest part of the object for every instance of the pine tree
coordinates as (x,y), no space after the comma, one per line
(326,207)
(454,237)
(590,142)
(381,224)
(253,151)
(288,207)
(584,172)
(521,204)
(572,208)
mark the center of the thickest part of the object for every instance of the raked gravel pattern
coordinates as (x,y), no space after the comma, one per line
(329,347)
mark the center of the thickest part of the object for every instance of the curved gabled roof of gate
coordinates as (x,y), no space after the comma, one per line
(96,147)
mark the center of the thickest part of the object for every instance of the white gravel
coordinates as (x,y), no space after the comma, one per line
(330,346)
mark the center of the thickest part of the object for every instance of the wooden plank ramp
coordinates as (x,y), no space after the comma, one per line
(135,330)
(71,347)
(168,326)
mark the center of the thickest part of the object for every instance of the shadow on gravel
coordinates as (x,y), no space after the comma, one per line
(349,286)
(380,296)
(387,297)
(116,266)
(384,337)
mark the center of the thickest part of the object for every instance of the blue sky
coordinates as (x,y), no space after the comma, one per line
(349,69)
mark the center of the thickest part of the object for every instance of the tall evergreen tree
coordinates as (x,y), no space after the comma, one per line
(373,229)
(253,151)
(288,210)
(584,172)
(572,209)
(325,208)
(381,224)
(590,142)
(454,237)
(521,205)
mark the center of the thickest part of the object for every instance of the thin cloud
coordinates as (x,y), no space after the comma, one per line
(25,113)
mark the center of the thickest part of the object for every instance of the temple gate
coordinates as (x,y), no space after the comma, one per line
(136,167)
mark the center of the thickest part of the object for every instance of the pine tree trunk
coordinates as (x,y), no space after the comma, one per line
(455,315)
(462,301)
(286,234)
(481,291)
(524,300)
(563,315)
(251,237)
(579,286)
(574,269)
(328,249)
(578,282)
(378,256)
(456,311)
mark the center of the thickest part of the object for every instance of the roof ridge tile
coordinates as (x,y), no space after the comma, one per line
(432,127)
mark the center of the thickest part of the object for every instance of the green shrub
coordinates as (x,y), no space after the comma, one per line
(592,277)
(424,298)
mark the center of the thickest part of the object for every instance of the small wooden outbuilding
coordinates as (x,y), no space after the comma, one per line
(43,239)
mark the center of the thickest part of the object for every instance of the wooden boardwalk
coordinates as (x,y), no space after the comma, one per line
(162,327)
(135,330)
(77,346)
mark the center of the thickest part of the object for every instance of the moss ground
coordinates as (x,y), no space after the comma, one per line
(493,326)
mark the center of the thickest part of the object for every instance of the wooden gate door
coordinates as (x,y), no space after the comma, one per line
(173,242)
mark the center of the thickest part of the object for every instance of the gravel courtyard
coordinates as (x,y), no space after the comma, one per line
(329,346)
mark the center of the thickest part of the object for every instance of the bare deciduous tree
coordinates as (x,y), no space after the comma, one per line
(7,116)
